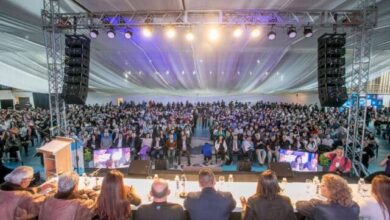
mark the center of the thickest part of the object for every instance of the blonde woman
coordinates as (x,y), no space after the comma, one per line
(338,204)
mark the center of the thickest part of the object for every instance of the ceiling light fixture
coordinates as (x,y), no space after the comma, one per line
(111,33)
(146,32)
(128,34)
(237,32)
(291,32)
(170,33)
(271,35)
(255,33)
(94,34)
(190,36)
(308,31)
(213,34)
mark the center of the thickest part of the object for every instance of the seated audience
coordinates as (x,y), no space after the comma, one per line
(160,208)
(378,205)
(17,200)
(115,198)
(68,202)
(339,163)
(209,203)
(267,203)
(338,204)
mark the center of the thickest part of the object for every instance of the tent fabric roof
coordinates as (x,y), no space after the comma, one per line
(230,66)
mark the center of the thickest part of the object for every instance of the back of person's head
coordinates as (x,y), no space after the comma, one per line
(19,174)
(337,189)
(159,190)
(206,178)
(380,187)
(267,185)
(111,203)
(67,184)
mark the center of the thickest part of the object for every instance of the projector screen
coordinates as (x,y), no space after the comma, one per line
(111,158)
(299,161)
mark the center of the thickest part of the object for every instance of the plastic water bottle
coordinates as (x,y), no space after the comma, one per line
(361,185)
(177,183)
(316,182)
(230,178)
(183,182)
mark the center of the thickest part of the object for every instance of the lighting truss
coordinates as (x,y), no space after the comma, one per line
(103,20)
(359,78)
(54,42)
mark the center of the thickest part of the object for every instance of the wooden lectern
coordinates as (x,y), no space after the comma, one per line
(57,156)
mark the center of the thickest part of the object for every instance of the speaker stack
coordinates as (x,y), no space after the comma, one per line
(331,70)
(76,73)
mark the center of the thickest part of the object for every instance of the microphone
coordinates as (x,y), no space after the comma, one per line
(94,173)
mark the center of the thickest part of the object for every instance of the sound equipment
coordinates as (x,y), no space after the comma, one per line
(282,169)
(331,70)
(76,72)
(244,166)
(160,165)
(139,168)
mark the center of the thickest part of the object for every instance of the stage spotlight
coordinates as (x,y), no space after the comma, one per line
(237,32)
(213,34)
(255,33)
(111,33)
(291,32)
(271,35)
(171,33)
(308,31)
(94,33)
(128,34)
(146,32)
(190,36)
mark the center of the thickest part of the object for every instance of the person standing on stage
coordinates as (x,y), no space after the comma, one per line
(160,208)
(199,204)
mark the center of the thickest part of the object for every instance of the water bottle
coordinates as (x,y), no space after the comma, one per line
(230,178)
(316,182)
(177,182)
(155,177)
(183,182)
(360,185)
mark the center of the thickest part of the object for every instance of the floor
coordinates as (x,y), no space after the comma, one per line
(199,138)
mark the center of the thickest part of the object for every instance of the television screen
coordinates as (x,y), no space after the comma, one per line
(299,161)
(111,158)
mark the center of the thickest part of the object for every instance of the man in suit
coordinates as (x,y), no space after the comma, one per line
(209,203)
(160,208)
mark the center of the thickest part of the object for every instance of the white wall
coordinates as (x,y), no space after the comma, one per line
(15,94)
(98,98)
(301,98)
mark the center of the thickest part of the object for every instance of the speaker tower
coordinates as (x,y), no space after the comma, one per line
(331,70)
(76,73)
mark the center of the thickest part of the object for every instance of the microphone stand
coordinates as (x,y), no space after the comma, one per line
(94,174)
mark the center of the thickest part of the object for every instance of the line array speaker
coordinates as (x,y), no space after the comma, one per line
(331,70)
(76,72)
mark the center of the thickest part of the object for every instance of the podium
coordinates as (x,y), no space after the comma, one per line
(57,156)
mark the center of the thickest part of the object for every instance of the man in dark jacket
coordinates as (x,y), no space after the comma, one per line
(160,208)
(209,203)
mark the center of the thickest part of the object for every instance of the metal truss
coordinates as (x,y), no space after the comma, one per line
(359,78)
(102,20)
(54,43)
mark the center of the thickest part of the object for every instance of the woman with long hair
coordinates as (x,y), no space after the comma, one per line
(338,204)
(378,206)
(115,199)
(267,203)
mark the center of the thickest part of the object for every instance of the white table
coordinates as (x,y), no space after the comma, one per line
(296,191)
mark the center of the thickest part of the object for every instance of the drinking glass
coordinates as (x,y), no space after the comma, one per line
(221,181)
(309,183)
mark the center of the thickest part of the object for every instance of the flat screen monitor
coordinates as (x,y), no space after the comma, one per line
(299,160)
(111,158)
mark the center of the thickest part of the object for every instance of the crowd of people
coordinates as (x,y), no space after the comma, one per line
(63,200)
(238,130)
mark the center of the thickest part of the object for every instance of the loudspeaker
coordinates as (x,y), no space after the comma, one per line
(331,70)
(282,169)
(76,72)
(244,166)
(139,167)
(160,165)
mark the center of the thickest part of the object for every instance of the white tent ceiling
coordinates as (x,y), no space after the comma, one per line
(230,66)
